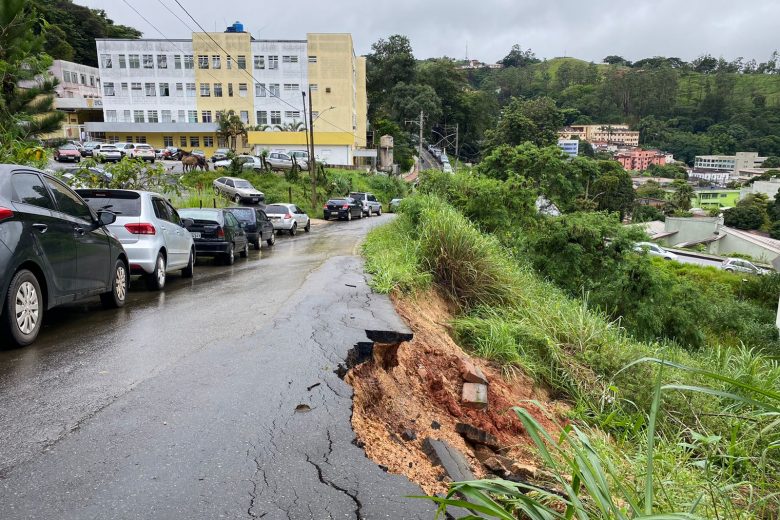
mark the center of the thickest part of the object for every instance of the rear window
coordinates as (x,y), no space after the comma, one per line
(127,204)
(243,214)
(201,214)
(338,202)
(275,208)
(358,196)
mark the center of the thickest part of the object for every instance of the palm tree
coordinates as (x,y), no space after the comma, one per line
(231,128)
(295,126)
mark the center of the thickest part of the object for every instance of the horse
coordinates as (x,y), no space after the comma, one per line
(189,162)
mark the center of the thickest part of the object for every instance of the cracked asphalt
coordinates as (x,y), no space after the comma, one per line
(215,398)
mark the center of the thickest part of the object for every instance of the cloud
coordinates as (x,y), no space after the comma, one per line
(588,30)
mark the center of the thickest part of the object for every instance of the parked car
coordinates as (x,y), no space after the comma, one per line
(346,208)
(301,157)
(446,167)
(142,151)
(107,153)
(393,206)
(159,153)
(737,265)
(80,177)
(88,148)
(247,162)
(154,236)
(238,190)
(257,225)
(53,249)
(220,155)
(124,147)
(288,217)
(199,153)
(217,233)
(654,250)
(279,161)
(67,152)
(368,202)
(171,153)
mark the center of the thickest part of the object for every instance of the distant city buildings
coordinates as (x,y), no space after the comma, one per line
(610,134)
(570,147)
(727,163)
(639,160)
(476,64)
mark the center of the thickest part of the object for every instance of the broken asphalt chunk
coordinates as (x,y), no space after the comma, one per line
(443,454)
(389,336)
(477,436)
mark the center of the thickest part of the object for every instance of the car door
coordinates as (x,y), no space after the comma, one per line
(93,248)
(183,237)
(230,187)
(170,232)
(264,225)
(48,237)
(239,236)
(299,215)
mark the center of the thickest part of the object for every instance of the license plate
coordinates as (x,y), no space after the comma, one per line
(195,235)
(254,199)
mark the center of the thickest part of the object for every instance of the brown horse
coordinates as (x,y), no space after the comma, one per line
(190,162)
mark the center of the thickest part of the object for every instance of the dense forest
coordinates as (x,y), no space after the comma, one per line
(709,105)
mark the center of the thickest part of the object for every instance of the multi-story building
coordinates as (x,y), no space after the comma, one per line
(174,92)
(729,163)
(611,134)
(639,160)
(570,147)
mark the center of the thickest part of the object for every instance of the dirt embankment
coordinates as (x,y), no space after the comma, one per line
(398,406)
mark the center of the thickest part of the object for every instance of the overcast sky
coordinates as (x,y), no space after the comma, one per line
(585,29)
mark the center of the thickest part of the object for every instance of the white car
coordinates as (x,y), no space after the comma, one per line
(737,265)
(142,151)
(288,217)
(247,162)
(654,250)
(106,153)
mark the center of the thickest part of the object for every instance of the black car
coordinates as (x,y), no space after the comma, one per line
(217,233)
(346,208)
(53,249)
(257,225)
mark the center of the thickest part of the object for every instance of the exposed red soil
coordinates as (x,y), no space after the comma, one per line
(425,386)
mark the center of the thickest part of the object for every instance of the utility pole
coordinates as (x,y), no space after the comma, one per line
(312,165)
(421,122)
(305,120)
(457,127)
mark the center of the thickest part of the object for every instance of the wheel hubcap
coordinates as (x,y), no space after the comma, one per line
(160,271)
(26,308)
(120,284)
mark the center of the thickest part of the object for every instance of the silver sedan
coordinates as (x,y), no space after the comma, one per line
(288,217)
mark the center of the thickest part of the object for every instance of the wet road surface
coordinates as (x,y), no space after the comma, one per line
(215,398)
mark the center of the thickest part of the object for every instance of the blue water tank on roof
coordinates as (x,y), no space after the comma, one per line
(238,27)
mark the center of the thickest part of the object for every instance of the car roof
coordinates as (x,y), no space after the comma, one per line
(233,178)
(116,191)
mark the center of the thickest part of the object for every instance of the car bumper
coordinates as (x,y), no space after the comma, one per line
(208,248)
(342,213)
(142,255)
(73,158)
(283,224)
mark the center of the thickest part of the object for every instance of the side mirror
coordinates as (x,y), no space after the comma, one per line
(106,218)
(187,222)
(242,225)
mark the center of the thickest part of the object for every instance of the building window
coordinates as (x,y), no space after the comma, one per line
(112,139)
(135,62)
(291,86)
(92,81)
(105,61)
(138,116)
(259,62)
(205,90)
(129,139)
(182,116)
(205,116)
(108,89)
(83,79)
(126,116)
(148,61)
(192,116)
(262,117)
(189,61)
(244,115)
(151,116)
(190,89)
(312,59)
(273,89)
(276,117)
(150,90)
(314,87)
(162,61)
(140,139)
(164,90)
(177,61)
(221,142)
(183,141)
(219,115)
(167,140)
(217,89)
(259,89)
(124,89)
(180,90)
(111,116)
(241,60)
(203,61)
(230,89)
(292,114)
(229,62)
(208,141)
(194,141)
(66,76)
(273,62)
(122,61)
(289,59)
(216,62)
(242,90)
(166,118)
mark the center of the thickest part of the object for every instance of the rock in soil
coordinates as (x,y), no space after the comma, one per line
(477,436)
(472,373)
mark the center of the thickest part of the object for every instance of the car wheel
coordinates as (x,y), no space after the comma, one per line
(379,212)
(237,199)
(245,252)
(78,159)
(349,215)
(271,241)
(188,271)
(152,161)
(729,269)
(116,297)
(257,244)
(23,308)
(294,229)
(307,227)
(325,216)
(230,257)
(366,213)
(155,280)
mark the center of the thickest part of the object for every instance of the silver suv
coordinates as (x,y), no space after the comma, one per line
(154,236)
(368,201)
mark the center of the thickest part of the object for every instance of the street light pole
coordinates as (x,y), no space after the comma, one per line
(312,165)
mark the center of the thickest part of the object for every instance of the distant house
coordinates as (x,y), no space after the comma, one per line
(611,134)
(730,163)
(639,160)
(570,147)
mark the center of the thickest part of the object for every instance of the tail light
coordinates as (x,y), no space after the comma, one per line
(143,228)
(287,216)
(345,206)
(325,206)
(220,232)
(5,213)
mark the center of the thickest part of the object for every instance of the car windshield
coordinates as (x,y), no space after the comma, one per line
(107,148)
(126,204)
(68,147)
(243,184)
(222,150)
(143,147)
(276,208)
(201,214)
(243,214)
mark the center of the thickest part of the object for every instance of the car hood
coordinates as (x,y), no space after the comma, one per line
(249,193)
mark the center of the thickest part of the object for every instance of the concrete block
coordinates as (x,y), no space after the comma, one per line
(472,373)
(474,396)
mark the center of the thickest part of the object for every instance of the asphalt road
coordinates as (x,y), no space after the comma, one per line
(215,398)
(697,260)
